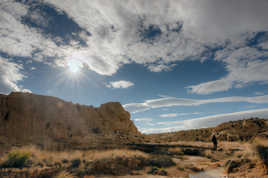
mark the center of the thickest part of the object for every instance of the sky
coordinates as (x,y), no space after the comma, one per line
(173,64)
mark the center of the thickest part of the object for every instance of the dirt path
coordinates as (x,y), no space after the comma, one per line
(214,173)
(138,176)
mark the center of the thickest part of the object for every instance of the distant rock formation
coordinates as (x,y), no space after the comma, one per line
(241,130)
(52,123)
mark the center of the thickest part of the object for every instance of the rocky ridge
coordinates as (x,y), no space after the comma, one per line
(241,130)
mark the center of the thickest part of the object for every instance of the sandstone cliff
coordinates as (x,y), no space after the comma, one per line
(55,124)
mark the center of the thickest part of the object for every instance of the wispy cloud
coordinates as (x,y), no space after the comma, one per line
(145,120)
(186,114)
(258,93)
(10,75)
(208,121)
(263,45)
(242,68)
(120,84)
(172,101)
(178,114)
(169,115)
(161,130)
(160,67)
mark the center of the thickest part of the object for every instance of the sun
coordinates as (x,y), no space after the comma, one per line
(74,66)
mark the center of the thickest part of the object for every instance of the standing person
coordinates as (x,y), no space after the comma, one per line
(215,143)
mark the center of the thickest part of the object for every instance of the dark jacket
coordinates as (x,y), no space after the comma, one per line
(214,139)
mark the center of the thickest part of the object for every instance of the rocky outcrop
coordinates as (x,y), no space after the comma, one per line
(241,130)
(55,124)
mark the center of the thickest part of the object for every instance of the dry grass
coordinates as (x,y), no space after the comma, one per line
(90,155)
(64,174)
(175,150)
(251,158)
(114,162)
(192,143)
(84,162)
(260,148)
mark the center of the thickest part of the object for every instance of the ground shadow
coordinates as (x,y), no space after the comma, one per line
(263,153)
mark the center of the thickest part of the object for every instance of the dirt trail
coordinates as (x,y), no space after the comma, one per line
(138,176)
(214,173)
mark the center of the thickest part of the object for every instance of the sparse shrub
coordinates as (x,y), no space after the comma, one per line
(57,165)
(153,170)
(195,169)
(117,165)
(157,171)
(96,130)
(64,161)
(75,163)
(16,160)
(162,172)
(162,161)
(40,164)
(180,168)
(192,152)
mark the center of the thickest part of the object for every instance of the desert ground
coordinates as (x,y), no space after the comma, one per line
(176,159)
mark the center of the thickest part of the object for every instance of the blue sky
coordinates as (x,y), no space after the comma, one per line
(174,64)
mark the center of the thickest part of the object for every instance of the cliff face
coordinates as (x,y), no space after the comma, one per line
(55,124)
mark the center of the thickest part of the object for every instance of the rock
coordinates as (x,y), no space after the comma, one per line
(230,165)
(162,162)
(220,149)
(52,123)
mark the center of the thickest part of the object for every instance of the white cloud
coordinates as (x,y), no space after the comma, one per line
(169,115)
(182,30)
(178,114)
(160,67)
(186,114)
(242,68)
(210,87)
(120,84)
(264,45)
(172,101)
(116,33)
(18,39)
(136,107)
(161,130)
(10,75)
(259,93)
(209,121)
(145,120)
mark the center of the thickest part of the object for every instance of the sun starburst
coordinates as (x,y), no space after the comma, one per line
(74,66)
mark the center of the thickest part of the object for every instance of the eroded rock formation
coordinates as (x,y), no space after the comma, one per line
(55,124)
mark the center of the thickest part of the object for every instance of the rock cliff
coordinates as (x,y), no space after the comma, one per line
(52,123)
